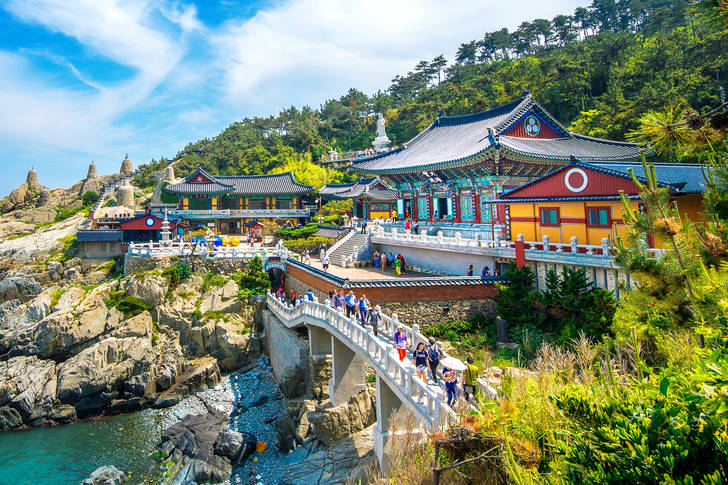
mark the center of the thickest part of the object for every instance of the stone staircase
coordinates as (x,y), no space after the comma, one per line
(340,254)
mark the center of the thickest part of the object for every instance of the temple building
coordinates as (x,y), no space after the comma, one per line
(372,198)
(582,200)
(457,166)
(227,204)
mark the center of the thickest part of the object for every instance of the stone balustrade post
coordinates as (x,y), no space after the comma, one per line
(546,241)
(395,323)
(315,300)
(439,237)
(415,331)
(605,247)
(458,238)
(519,237)
(410,380)
(574,244)
(368,340)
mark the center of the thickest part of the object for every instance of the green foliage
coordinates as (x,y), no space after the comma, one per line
(128,305)
(168,197)
(252,281)
(337,207)
(89,198)
(211,279)
(307,243)
(56,295)
(147,178)
(177,273)
(517,301)
(299,232)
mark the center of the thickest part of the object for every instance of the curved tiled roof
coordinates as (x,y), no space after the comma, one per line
(364,187)
(277,184)
(459,140)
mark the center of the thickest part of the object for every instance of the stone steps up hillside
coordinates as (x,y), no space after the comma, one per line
(339,255)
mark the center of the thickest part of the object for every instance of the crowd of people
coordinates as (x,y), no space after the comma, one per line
(485,272)
(386,261)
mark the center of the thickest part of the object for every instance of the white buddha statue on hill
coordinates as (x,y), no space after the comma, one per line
(382,140)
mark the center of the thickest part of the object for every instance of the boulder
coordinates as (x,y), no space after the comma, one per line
(150,288)
(221,298)
(17,198)
(63,414)
(70,298)
(105,475)
(293,381)
(9,418)
(27,387)
(136,326)
(91,379)
(72,275)
(234,445)
(285,430)
(21,288)
(334,423)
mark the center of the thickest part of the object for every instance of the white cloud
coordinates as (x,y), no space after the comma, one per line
(354,44)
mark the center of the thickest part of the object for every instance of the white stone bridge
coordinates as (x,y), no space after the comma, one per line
(351,346)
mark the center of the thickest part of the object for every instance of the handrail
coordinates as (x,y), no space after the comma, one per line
(340,242)
(348,260)
(180,248)
(427,403)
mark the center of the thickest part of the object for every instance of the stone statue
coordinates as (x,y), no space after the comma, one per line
(502,329)
(382,141)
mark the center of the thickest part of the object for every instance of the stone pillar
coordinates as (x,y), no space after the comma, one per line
(126,166)
(125,195)
(32,178)
(349,375)
(92,172)
(387,405)
(169,173)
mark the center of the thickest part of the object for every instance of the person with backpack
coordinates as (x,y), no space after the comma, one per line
(420,358)
(374,318)
(309,295)
(433,357)
(470,379)
(338,300)
(401,344)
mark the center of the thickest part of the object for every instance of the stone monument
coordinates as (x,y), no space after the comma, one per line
(126,166)
(169,174)
(382,141)
(32,178)
(125,195)
(92,173)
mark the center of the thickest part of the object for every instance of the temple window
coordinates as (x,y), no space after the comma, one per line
(549,216)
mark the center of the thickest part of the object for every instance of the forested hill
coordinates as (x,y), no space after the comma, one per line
(597,70)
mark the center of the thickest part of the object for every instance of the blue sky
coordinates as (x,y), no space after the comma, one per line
(84,80)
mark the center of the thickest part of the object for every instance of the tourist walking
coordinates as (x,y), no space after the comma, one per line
(451,381)
(309,295)
(383,257)
(404,264)
(398,265)
(363,306)
(470,379)
(293,297)
(407,225)
(307,257)
(401,344)
(470,270)
(350,302)
(485,272)
(374,318)
(415,227)
(338,300)
(376,258)
(433,357)
(390,260)
(420,358)
(325,262)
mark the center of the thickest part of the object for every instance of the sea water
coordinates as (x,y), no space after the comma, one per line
(68,454)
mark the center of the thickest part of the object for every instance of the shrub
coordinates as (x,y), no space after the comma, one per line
(211,279)
(252,281)
(307,244)
(89,198)
(177,273)
(128,305)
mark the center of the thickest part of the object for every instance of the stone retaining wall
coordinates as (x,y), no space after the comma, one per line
(288,357)
(134,264)
(427,314)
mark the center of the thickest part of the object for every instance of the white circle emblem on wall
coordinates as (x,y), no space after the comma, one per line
(584,179)
(149,222)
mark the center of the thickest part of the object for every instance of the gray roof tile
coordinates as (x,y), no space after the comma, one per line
(278,184)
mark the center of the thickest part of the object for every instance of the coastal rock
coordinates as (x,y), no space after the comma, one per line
(193,439)
(105,475)
(63,413)
(21,288)
(150,288)
(228,341)
(37,246)
(346,461)
(334,423)
(293,381)
(285,430)
(27,390)
(221,299)
(91,379)
(234,445)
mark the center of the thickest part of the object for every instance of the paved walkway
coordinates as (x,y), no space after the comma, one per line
(368,273)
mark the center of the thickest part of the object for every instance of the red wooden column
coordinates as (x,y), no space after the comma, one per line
(476,207)
(456,207)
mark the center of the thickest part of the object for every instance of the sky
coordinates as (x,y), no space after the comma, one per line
(84,80)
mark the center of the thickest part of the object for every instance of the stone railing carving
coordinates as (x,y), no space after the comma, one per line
(178,248)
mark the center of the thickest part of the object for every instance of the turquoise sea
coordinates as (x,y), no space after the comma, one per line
(67,454)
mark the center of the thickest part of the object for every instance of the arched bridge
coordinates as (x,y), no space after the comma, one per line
(351,345)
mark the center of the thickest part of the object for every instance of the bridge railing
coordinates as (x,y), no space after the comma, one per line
(179,248)
(428,402)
